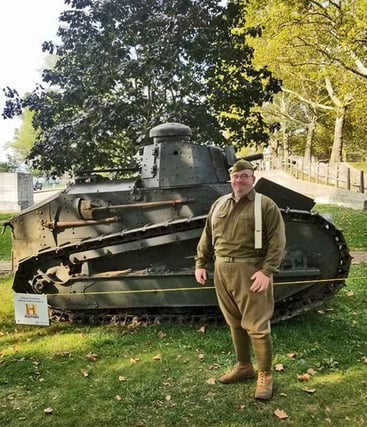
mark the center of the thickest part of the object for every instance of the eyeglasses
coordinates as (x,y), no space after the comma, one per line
(241,176)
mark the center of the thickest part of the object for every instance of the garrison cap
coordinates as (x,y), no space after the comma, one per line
(241,165)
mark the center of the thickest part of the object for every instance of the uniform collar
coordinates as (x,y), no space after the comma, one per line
(250,195)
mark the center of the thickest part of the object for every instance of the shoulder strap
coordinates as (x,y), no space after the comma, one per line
(258,221)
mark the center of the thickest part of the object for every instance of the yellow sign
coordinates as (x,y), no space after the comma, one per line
(31,309)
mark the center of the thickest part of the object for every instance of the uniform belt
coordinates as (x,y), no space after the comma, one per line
(238,259)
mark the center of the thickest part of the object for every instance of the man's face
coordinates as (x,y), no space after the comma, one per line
(242,182)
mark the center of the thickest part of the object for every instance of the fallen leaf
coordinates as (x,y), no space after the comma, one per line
(168,397)
(91,356)
(162,334)
(201,356)
(292,355)
(364,359)
(118,397)
(211,381)
(84,372)
(309,390)
(201,330)
(122,378)
(311,371)
(350,293)
(282,415)
(214,366)
(48,410)
(157,357)
(303,377)
(242,406)
(279,367)
(134,360)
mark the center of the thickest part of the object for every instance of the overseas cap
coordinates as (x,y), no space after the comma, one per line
(241,165)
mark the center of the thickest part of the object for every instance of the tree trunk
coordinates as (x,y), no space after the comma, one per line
(337,150)
(309,140)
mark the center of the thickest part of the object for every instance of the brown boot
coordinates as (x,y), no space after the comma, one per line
(242,371)
(264,386)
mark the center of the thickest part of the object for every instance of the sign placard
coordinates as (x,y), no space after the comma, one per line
(31,309)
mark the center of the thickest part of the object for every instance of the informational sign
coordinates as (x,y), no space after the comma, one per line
(31,309)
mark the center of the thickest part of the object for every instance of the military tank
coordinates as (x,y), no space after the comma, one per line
(117,249)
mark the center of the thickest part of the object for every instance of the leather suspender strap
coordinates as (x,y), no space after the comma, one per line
(258,222)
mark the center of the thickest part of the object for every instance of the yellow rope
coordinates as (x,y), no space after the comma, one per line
(196,288)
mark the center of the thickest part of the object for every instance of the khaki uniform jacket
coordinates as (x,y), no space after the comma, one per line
(230,233)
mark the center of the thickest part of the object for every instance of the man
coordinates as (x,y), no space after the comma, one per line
(243,273)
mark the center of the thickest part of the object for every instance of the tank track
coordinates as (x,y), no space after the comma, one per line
(307,300)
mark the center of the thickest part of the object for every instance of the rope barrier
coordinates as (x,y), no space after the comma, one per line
(197,288)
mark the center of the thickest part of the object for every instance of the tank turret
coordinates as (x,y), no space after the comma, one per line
(125,247)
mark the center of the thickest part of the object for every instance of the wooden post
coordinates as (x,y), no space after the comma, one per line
(361,182)
(337,176)
(348,179)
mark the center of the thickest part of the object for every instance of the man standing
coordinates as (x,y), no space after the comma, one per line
(245,234)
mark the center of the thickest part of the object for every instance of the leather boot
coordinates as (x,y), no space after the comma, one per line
(242,371)
(264,385)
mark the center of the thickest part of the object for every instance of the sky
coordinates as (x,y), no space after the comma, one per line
(24,26)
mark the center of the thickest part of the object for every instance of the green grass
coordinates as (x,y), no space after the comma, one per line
(162,375)
(158,375)
(5,238)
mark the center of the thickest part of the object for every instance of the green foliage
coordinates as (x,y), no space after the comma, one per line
(306,44)
(124,67)
(5,238)
(25,136)
(158,375)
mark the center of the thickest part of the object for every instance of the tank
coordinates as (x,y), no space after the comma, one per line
(107,249)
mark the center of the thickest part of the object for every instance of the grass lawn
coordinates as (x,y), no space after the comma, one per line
(166,375)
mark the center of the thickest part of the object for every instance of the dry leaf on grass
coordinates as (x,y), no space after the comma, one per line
(91,356)
(291,355)
(162,334)
(282,415)
(48,410)
(364,359)
(85,372)
(201,356)
(350,293)
(309,390)
(157,357)
(303,377)
(311,371)
(214,366)
(122,378)
(134,360)
(118,397)
(279,367)
(211,381)
(201,330)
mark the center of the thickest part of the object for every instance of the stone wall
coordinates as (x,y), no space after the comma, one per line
(16,191)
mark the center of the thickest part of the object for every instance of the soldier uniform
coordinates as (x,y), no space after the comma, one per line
(229,238)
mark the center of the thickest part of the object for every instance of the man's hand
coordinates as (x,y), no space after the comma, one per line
(261,282)
(200,275)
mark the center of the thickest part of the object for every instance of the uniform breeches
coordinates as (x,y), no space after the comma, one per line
(241,307)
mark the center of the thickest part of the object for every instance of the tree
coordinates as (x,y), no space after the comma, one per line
(124,67)
(25,136)
(317,49)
